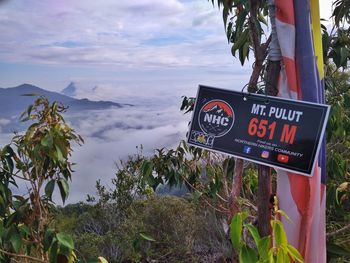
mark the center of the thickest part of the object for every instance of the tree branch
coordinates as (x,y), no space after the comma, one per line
(22,256)
(336,232)
(14,175)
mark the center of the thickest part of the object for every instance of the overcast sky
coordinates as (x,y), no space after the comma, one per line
(116,43)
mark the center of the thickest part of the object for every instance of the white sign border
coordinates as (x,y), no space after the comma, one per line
(255,161)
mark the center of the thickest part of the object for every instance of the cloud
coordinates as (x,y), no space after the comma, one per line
(114,134)
(117,35)
(120,47)
(147,33)
(4,122)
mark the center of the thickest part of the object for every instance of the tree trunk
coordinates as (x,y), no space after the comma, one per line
(236,188)
(264,172)
(264,181)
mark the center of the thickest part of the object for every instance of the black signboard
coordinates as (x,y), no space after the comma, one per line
(276,132)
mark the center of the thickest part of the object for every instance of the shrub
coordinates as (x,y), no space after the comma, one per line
(181,233)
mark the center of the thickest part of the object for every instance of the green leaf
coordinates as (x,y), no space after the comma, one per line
(146,168)
(62,146)
(271,256)
(241,56)
(344,53)
(282,257)
(31,130)
(50,186)
(229,32)
(60,157)
(236,230)
(16,241)
(240,22)
(53,252)
(340,189)
(264,247)
(294,253)
(9,164)
(262,19)
(24,229)
(7,150)
(65,240)
(247,255)
(254,232)
(65,251)
(54,106)
(284,214)
(48,237)
(242,39)
(64,188)
(29,109)
(279,233)
(146,237)
(98,260)
(337,250)
(47,141)
(102,260)
(245,51)
(2,229)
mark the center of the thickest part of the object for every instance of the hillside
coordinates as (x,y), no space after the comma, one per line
(13,102)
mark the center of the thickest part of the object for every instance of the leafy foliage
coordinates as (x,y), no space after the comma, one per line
(338,169)
(336,46)
(336,55)
(39,158)
(341,12)
(251,247)
(244,22)
(162,228)
(178,231)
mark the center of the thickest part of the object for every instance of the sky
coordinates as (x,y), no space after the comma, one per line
(120,43)
(145,52)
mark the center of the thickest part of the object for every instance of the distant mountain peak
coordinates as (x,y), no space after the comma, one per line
(27,86)
(70,90)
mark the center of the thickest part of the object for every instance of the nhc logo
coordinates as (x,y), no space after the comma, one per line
(216,117)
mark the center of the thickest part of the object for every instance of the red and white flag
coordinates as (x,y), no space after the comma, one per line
(301,77)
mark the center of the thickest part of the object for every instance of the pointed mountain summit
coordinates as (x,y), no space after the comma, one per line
(70,90)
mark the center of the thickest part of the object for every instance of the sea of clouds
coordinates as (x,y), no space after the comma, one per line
(147,53)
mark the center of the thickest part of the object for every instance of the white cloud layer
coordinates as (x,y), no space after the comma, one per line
(110,136)
(127,34)
(119,133)
(114,134)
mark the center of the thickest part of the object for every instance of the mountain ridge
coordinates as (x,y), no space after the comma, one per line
(26,88)
(13,103)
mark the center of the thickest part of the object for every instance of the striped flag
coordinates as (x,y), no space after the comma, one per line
(302,198)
